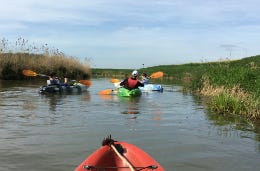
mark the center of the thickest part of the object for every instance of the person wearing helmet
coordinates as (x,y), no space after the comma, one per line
(132,82)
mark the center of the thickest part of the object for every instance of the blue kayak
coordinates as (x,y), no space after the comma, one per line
(151,87)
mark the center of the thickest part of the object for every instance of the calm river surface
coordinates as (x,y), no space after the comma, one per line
(56,133)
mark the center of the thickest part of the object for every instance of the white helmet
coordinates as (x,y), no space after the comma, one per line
(135,73)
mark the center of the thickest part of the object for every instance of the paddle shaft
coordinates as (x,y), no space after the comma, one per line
(31,73)
(122,158)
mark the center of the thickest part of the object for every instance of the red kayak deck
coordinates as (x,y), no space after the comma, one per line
(119,156)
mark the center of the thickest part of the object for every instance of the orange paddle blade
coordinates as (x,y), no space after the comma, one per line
(114,80)
(86,82)
(29,73)
(105,92)
(157,74)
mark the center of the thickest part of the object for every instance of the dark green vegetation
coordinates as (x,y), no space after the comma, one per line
(110,73)
(14,59)
(233,87)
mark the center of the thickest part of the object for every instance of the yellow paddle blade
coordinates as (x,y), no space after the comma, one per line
(105,92)
(29,73)
(157,74)
(86,82)
(114,80)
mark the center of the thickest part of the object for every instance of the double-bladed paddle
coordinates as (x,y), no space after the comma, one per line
(114,80)
(86,82)
(31,73)
(106,92)
(158,74)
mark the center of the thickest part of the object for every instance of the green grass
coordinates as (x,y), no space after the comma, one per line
(234,86)
(232,74)
(231,104)
(110,73)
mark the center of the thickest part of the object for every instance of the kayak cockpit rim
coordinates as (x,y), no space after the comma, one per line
(152,167)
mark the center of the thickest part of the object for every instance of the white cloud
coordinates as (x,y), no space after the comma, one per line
(175,31)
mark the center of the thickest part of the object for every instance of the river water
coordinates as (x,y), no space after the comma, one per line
(57,132)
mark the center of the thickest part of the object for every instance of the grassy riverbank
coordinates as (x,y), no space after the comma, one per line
(233,87)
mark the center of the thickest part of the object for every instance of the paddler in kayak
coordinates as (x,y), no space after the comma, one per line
(53,79)
(132,82)
(145,79)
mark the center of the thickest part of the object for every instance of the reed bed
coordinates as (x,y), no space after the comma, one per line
(42,60)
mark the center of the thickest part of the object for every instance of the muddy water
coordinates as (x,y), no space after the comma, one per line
(57,132)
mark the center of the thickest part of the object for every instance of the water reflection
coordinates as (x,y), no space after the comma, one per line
(85,96)
(108,96)
(53,101)
(235,121)
(62,130)
(56,101)
(227,126)
(28,105)
(130,105)
(127,105)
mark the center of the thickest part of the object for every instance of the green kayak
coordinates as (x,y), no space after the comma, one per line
(123,92)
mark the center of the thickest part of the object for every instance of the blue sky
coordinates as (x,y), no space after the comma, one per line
(132,34)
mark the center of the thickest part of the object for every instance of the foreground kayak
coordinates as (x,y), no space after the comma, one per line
(123,92)
(119,156)
(65,89)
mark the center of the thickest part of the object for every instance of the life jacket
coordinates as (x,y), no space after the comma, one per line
(132,83)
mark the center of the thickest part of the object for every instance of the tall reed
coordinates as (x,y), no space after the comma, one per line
(42,60)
